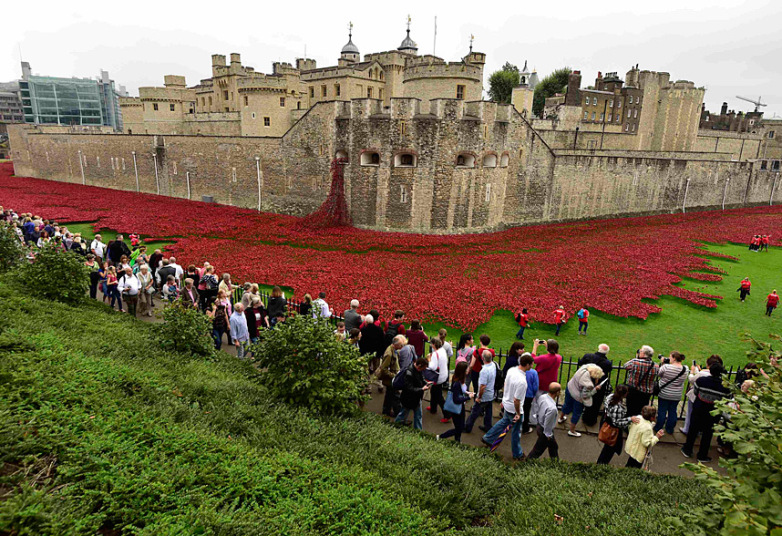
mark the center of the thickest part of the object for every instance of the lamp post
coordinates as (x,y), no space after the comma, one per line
(135,169)
(81,165)
(686,189)
(258,173)
(157,179)
(187,175)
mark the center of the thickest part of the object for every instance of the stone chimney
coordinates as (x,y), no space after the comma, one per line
(724,109)
(573,95)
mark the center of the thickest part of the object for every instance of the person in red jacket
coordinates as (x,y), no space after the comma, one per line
(771,302)
(522,319)
(744,288)
(754,243)
(583,320)
(764,242)
(559,317)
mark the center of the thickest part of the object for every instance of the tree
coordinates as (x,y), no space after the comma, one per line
(747,500)
(304,364)
(502,82)
(552,84)
(185,329)
(55,274)
(11,250)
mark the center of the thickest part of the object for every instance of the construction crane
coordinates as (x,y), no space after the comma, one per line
(757,103)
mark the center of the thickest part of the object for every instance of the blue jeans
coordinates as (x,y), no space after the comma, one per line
(417,414)
(217,335)
(515,432)
(520,333)
(583,325)
(666,415)
(479,408)
(573,406)
(559,326)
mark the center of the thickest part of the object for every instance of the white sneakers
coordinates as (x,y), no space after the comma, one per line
(573,434)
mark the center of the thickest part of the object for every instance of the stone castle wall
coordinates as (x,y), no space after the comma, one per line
(443,166)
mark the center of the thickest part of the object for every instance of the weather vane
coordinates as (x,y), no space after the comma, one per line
(472,38)
(350,29)
(408,22)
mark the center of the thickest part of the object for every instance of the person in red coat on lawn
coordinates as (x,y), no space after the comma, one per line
(744,288)
(583,320)
(771,302)
(522,319)
(559,317)
(764,242)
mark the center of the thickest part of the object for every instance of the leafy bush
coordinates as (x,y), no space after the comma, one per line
(748,499)
(306,365)
(185,329)
(11,250)
(56,275)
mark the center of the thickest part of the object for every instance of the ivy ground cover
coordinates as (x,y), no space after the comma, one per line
(614,266)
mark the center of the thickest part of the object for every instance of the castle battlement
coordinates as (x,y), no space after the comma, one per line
(405,107)
(443,70)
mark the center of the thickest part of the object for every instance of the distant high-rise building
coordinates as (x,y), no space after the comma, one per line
(10,103)
(69,101)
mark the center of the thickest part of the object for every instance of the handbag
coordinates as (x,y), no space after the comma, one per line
(450,406)
(431,375)
(608,434)
(658,388)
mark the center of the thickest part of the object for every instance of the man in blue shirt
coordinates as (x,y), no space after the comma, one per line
(240,335)
(485,396)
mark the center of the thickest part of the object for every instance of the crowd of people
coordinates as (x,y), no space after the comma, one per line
(526,386)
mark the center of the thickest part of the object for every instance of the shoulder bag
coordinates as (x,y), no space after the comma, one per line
(608,434)
(450,406)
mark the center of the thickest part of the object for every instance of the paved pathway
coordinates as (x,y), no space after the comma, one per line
(666,456)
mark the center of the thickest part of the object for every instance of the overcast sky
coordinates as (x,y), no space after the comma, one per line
(732,47)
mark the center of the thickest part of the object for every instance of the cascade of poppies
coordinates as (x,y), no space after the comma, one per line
(334,210)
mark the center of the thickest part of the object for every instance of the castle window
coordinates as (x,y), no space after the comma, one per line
(523,79)
(638,100)
(460,92)
(298,105)
(154,106)
(602,117)
(627,127)
(775,165)
(629,114)
(369,92)
(282,102)
(172,107)
(312,92)
(267,121)
(402,194)
(488,193)
(225,94)
(611,103)
(504,159)
(337,90)
(253,115)
(610,117)
(203,101)
(490,161)
(586,116)
(465,160)
(370,158)
(323,91)
(763,165)
(380,94)
(210,101)
(405,160)
(632,129)
(770,134)
(381,75)
(635,112)
(246,100)
(593,116)
(174,163)
(631,99)
(594,101)
(587,102)
(619,103)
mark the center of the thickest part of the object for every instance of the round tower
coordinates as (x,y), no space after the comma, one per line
(350,53)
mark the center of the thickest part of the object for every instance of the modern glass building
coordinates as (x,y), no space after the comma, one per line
(69,101)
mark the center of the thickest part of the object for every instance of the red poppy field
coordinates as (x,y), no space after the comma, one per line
(609,265)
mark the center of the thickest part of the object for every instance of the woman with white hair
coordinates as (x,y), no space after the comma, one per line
(580,390)
(147,289)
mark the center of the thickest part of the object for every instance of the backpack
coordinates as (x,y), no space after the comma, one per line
(581,314)
(499,381)
(398,383)
(391,331)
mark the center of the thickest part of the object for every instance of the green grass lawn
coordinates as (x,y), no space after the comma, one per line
(85,228)
(693,330)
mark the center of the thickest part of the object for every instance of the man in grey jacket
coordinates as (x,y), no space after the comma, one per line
(547,420)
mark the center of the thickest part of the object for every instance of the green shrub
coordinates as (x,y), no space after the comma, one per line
(11,250)
(185,329)
(306,365)
(748,499)
(56,275)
